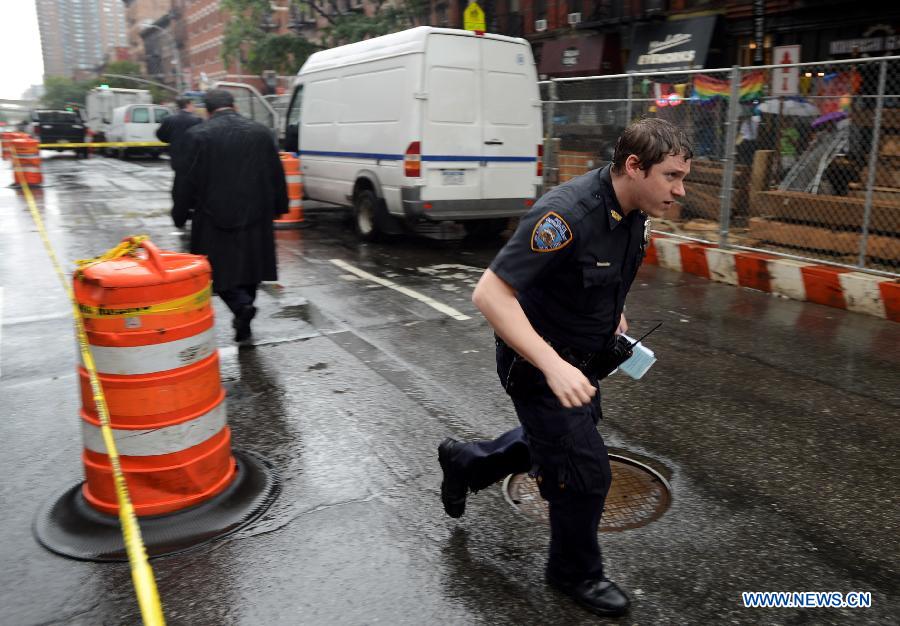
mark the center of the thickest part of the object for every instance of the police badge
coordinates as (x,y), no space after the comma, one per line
(550,234)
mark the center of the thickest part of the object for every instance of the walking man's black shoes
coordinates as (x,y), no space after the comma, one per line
(241,323)
(601,597)
(453,488)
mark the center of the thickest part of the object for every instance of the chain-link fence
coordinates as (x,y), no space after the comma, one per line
(813,173)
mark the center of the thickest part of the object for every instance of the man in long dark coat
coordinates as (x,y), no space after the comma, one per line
(173,129)
(232,186)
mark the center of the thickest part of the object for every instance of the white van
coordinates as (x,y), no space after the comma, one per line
(136,122)
(100,102)
(425,124)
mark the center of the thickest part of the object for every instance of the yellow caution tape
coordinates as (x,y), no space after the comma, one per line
(127,247)
(141,572)
(106,144)
(187,303)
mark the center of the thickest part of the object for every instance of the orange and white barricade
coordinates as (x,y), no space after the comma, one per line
(149,323)
(150,326)
(294,217)
(6,138)
(26,156)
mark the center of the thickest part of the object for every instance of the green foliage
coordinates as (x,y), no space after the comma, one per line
(259,50)
(58,91)
(129,68)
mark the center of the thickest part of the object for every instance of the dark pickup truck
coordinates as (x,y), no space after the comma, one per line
(51,127)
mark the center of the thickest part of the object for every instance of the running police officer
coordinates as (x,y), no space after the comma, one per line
(555,296)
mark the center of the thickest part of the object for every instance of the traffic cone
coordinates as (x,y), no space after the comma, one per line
(26,156)
(294,217)
(149,323)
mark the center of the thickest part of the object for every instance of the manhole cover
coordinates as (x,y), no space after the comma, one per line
(638,496)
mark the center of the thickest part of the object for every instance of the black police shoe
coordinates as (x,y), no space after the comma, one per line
(601,597)
(453,488)
(241,323)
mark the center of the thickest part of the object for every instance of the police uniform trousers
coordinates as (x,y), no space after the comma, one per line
(565,453)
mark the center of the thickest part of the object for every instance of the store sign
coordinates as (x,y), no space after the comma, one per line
(675,45)
(786,80)
(865,44)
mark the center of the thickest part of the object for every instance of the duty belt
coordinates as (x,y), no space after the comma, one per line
(599,364)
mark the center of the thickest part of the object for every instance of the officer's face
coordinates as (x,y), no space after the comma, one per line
(662,185)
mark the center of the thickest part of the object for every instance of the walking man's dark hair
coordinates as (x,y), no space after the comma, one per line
(651,140)
(182,102)
(216,99)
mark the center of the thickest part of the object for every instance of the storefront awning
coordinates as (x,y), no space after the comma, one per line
(572,56)
(673,45)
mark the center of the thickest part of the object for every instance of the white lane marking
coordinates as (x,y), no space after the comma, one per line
(434,304)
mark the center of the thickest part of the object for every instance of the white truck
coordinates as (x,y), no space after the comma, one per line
(425,124)
(100,103)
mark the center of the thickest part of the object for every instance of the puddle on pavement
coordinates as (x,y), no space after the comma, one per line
(300,311)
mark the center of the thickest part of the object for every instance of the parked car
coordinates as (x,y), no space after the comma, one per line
(425,124)
(136,122)
(56,126)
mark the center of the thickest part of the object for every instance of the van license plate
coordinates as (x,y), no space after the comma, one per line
(454,177)
(62,141)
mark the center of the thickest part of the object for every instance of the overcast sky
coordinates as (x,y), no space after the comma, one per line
(21,64)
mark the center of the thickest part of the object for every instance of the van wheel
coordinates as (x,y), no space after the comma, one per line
(365,208)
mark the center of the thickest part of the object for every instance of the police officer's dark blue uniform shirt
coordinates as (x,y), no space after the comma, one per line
(572,261)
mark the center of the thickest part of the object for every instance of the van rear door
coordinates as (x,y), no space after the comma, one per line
(512,123)
(482,125)
(452,133)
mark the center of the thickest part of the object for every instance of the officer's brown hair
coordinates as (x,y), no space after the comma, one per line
(651,140)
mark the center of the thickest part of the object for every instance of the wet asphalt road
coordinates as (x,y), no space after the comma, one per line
(776,422)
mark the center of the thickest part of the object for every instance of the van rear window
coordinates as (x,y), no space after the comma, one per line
(58,117)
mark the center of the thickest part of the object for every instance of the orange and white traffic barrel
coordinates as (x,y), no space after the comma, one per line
(294,217)
(6,138)
(149,323)
(26,156)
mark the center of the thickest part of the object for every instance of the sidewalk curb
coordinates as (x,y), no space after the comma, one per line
(823,284)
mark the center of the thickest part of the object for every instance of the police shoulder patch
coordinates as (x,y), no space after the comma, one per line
(551,233)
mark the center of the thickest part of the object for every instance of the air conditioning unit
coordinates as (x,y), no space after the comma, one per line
(574,18)
(540,25)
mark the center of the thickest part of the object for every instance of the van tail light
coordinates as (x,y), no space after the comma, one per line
(37,130)
(412,160)
(127,116)
(540,160)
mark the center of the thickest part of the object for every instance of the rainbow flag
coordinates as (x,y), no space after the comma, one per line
(708,88)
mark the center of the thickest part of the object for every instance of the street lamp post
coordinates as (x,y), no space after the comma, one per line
(176,54)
